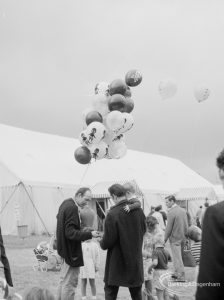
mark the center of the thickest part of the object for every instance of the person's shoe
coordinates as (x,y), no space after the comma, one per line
(174,276)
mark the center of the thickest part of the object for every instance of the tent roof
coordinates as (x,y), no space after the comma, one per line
(44,159)
(197,194)
(219,191)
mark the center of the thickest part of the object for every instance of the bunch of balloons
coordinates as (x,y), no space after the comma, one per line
(108,119)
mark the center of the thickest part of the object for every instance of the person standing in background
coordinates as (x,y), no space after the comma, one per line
(176,232)
(198,216)
(159,218)
(211,266)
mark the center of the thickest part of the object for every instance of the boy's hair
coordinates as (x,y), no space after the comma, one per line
(220,160)
(158,208)
(38,293)
(171,198)
(129,187)
(82,191)
(117,190)
(151,223)
(194,233)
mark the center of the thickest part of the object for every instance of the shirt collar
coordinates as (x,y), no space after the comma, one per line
(172,206)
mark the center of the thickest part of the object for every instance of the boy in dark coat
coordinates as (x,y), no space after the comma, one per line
(123,237)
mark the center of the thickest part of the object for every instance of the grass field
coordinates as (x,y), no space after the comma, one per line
(21,258)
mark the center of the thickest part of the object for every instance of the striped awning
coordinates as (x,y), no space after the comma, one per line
(202,193)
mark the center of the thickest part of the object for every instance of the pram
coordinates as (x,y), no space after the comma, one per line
(47,258)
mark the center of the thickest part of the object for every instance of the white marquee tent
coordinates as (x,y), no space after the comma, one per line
(38,171)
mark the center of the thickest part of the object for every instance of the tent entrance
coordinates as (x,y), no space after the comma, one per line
(101,208)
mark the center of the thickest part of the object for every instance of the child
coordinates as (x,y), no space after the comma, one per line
(87,216)
(147,249)
(194,233)
(90,250)
(160,258)
(133,202)
(38,293)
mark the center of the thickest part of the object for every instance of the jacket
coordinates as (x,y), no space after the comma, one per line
(69,235)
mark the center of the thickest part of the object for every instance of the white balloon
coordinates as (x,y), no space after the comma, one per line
(167,88)
(100,104)
(99,151)
(115,121)
(102,88)
(95,132)
(128,123)
(83,138)
(117,149)
(110,136)
(201,92)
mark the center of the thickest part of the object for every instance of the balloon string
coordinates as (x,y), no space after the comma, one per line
(84,174)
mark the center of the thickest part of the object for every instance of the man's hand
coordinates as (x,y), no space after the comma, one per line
(127,208)
(95,234)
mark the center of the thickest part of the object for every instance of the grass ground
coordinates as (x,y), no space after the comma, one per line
(21,258)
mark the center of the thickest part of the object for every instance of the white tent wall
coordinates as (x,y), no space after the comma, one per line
(16,209)
(153,199)
(47,201)
(192,206)
(35,207)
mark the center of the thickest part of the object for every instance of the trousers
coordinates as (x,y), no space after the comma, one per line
(68,282)
(112,291)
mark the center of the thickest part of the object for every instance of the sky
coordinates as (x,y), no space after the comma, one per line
(53,52)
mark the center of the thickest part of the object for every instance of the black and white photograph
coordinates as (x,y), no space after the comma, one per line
(111,149)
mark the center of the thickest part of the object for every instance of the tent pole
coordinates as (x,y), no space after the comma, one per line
(36,209)
(10,197)
(101,208)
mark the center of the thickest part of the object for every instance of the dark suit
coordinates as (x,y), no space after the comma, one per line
(123,237)
(69,235)
(69,247)
(5,262)
(211,268)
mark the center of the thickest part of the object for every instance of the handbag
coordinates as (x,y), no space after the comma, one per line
(187,257)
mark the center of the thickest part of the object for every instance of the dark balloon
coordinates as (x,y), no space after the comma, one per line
(133,78)
(117,102)
(128,92)
(82,155)
(118,86)
(129,105)
(93,116)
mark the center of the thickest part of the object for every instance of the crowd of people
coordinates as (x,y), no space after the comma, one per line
(137,247)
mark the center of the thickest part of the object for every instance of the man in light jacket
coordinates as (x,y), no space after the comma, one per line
(176,232)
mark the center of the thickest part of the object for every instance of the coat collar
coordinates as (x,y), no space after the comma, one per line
(122,202)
